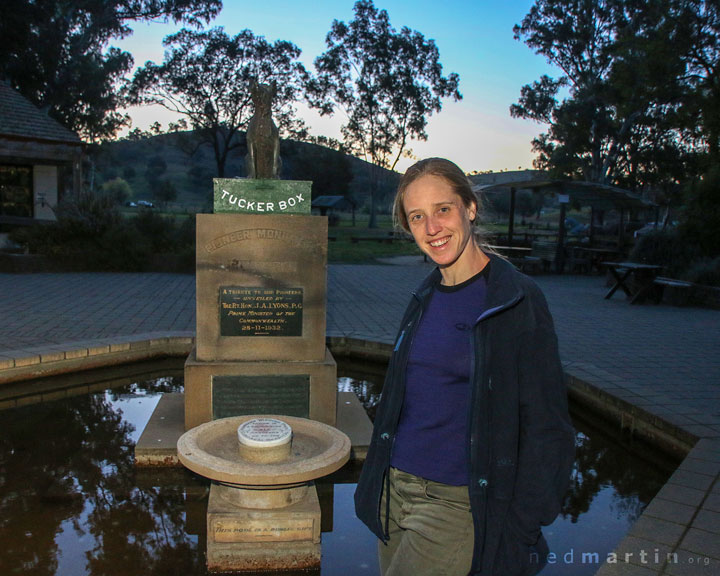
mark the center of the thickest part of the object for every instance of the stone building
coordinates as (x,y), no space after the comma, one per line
(40,160)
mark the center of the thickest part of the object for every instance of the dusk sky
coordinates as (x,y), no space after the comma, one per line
(474,38)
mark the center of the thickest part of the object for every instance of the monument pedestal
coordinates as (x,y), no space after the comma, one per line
(252,539)
(221,389)
(261,287)
(263,512)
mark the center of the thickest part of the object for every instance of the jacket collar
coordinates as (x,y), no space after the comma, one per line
(504,290)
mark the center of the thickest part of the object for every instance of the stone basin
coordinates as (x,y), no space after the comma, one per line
(211,450)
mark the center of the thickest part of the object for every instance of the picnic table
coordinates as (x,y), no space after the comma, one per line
(643,276)
(595,257)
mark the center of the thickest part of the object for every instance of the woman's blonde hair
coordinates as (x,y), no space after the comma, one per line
(451,173)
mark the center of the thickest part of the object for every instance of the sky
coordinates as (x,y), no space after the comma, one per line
(474,38)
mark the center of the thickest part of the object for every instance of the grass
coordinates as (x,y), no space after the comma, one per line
(341,248)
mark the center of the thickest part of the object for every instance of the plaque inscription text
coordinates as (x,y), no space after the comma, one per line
(253,311)
(263,530)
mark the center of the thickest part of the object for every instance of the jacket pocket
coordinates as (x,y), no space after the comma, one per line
(516,557)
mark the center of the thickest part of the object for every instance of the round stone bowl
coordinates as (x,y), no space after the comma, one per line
(211,450)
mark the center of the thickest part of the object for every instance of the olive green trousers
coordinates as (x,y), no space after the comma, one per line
(431,528)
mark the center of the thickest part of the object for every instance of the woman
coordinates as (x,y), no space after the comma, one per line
(472,444)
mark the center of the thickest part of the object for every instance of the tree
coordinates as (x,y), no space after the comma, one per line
(55,53)
(386,82)
(117,189)
(698,24)
(164,191)
(620,65)
(156,166)
(206,78)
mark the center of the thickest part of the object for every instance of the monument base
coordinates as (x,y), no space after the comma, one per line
(242,539)
(222,389)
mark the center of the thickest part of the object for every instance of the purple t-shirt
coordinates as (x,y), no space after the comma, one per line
(431,440)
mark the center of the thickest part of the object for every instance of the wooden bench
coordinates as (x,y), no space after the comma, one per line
(542,256)
(680,289)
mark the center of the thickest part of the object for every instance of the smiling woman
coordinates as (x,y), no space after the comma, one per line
(440,221)
(476,347)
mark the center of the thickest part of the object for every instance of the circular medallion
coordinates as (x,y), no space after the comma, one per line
(264,432)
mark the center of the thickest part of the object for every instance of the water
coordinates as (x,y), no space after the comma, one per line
(72,502)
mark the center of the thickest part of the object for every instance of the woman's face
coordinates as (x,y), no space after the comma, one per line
(439,221)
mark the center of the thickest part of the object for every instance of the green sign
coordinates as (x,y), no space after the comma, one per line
(251,196)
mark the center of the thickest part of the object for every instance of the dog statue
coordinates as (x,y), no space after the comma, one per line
(263,141)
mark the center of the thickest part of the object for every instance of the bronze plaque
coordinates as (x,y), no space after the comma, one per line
(287,395)
(253,311)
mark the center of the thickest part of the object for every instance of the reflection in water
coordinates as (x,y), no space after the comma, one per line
(72,503)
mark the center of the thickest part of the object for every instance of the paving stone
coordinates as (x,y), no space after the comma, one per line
(701,430)
(707,446)
(623,569)
(657,530)
(98,349)
(75,353)
(702,543)
(682,494)
(709,521)
(119,347)
(692,564)
(23,359)
(691,479)
(711,468)
(670,511)
(52,356)
(712,502)
(642,552)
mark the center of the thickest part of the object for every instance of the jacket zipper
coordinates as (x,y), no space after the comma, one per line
(410,327)
(479,355)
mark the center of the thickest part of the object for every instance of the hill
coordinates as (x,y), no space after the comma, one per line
(150,163)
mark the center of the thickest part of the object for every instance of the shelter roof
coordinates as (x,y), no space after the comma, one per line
(600,196)
(19,118)
(328,201)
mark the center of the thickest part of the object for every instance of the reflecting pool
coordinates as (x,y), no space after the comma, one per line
(72,502)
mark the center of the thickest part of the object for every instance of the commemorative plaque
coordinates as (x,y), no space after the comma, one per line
(252,311)
(239,395)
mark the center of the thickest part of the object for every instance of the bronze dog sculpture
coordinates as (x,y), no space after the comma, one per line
(263,142)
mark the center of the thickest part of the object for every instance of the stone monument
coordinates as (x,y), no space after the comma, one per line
(261,268)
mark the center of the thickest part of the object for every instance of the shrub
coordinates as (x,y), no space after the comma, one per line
(117,189)
(701,215)
(91,234)
(704,271)
(668,248)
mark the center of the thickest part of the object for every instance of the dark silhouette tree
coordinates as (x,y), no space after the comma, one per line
(57,54)
(698,24)
(386,82)
(621,88)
